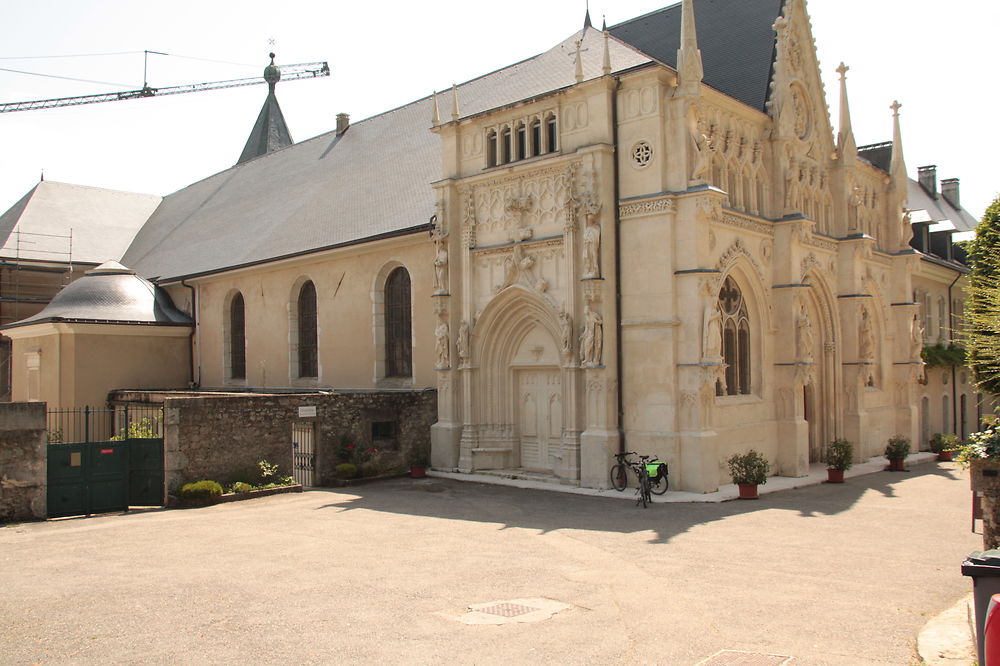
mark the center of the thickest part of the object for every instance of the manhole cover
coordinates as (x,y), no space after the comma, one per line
(738,658)
(507,609)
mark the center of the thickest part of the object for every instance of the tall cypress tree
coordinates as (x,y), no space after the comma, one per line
(982,321)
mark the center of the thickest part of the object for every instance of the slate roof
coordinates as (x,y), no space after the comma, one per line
(735,38)
(110,293)
(269,133)
(103,223)
(374,180)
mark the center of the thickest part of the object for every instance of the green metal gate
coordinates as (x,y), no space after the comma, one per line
(99,477)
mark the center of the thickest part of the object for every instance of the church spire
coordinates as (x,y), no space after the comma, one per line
(897,169)
(689,68)
(846,145)
(586,18)
(270,132)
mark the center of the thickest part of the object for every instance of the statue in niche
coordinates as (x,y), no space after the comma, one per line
(441,344)
(866,339)
(700,159)
(566,332)
(441,263)
(591,339)
(804,346)
(591,237)
(462,343)
(711,343)
(916,338)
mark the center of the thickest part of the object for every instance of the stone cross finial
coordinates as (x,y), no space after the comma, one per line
(436,116)
(842,70)
(579,61)
(454,102)
(895,109)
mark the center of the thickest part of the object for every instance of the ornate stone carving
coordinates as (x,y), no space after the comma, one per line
(700,149)
(710,208)
(916,339)
(648,207)
(736,250)
(592,338)
(440,260)
(711,327)
(566,332)
(441,345)
(749,224)
(591,207)
(804,335)
(462,344)
(766,249)
(519,267)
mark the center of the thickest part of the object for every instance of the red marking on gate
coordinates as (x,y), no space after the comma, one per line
(103,451)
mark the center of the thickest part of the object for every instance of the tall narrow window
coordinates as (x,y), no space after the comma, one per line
(308,357)
(398,343)
(491,148)
(550,133)
(237,339)
(522,142)
(505,145)
(536,137)
(735,338)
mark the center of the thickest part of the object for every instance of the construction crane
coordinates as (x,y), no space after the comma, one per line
(307,70)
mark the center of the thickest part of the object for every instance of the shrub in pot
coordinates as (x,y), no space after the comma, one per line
(839,458)
(896,451)
(748,470)
(418,458)
(944,445)
(345,471)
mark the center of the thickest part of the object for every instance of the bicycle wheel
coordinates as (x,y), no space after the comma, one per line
(661,484)
(644,489)
(619,477)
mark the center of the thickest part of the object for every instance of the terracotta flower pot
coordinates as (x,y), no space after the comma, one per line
(418,471)
(945,456)
(896,465)
(748,491)
(834,475)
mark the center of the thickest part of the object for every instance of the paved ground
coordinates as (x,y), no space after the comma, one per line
(829,574)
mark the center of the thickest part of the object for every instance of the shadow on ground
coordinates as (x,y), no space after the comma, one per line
(547,511)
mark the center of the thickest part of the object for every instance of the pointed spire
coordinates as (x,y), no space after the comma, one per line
(270,132)
(689,68)
(586,18)
(606,67)
(846,146)
(604,23)
(436,114)
(454,102)
(897,169)
(579,61)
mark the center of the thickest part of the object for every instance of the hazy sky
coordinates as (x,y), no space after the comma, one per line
(938,59)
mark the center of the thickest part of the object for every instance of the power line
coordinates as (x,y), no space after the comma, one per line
(73,55)
(68,78)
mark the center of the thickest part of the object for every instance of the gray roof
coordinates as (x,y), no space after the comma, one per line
(372,181)
(735,38)
(101,222)
(110,293)
(269,133)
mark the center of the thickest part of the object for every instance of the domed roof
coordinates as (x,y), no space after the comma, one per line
(111,294)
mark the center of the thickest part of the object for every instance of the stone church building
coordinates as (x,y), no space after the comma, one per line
(656,244)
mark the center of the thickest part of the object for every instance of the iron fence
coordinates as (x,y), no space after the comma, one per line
(87,424)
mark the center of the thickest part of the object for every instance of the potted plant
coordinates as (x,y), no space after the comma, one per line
(418,458)
(896,451)
(944,445)
(838,458)
(748,470)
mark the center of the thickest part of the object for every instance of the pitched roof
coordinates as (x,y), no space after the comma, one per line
(269,133)
(735,38)
(61,222)
(371,181)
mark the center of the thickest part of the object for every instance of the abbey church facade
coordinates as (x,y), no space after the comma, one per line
(657,244)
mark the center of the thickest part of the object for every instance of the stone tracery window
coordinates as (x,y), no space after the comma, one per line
(398,340)
(735,339)
(521,138)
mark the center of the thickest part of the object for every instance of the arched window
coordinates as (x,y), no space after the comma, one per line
(398,342)
(505,145)
(735,339)
(550,133)
(491,148)
(942,319)
(536,137)
(237,338)
(521,136)
(308,348)
(945,414)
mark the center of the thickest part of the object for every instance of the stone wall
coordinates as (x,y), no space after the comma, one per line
(23,471)
(215,436)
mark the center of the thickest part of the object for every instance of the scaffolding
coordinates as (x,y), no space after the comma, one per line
(34,267)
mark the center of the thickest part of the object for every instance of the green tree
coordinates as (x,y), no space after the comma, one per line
(982,320)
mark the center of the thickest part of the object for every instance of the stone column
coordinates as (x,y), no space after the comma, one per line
(23,470)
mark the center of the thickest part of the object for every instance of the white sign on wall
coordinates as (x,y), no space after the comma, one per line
(306,412)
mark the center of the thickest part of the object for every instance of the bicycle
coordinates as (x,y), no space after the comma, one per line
(651,474)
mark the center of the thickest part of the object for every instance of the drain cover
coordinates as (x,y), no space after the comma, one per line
(738,658)
(507,609)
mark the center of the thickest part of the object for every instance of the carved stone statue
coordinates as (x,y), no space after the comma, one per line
(566,332)
(866,339)
(804,343)
(462,343)
(916,338)
(591,238)
(441,263)
(711,343)
(592,339)
(700,149)
(441,345)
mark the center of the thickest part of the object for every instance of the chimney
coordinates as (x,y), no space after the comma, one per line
(343,122)
(927,176)
(949,188)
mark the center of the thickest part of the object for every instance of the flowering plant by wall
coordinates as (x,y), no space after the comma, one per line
(982,445)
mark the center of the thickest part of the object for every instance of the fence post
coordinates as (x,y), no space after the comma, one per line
(126,430)
(86,423)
